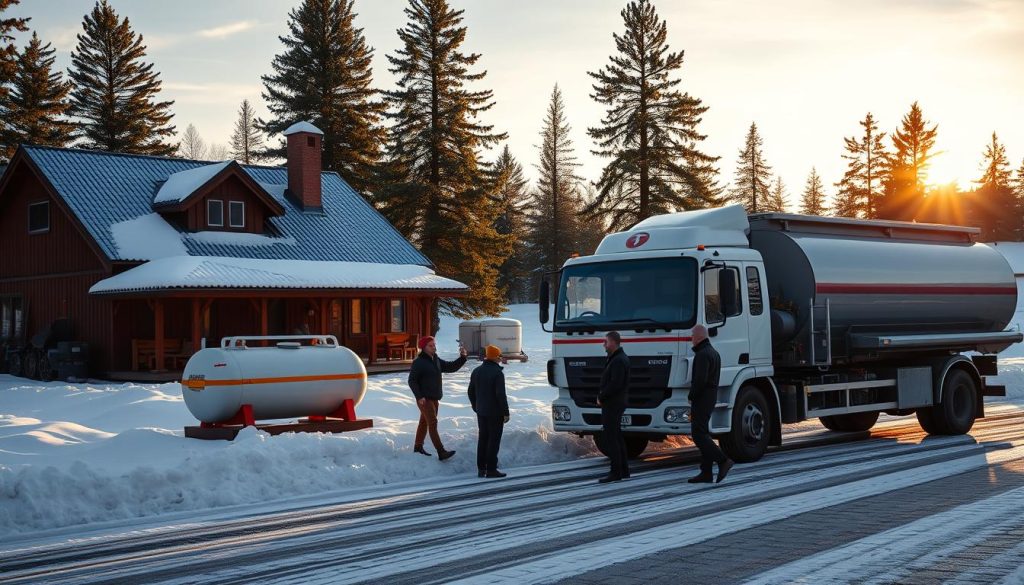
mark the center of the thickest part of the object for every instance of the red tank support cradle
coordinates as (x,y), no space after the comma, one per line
(243,417)
(347,411)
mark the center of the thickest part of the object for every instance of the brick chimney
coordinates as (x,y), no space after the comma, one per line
(304,146)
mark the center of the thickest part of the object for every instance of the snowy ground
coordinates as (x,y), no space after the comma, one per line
(83,453)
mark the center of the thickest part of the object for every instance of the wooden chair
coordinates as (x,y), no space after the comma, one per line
(144,352)
(394,345)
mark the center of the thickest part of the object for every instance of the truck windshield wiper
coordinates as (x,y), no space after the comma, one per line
(637,320)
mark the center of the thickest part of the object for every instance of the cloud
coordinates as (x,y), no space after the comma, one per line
(211,93)
(224,31)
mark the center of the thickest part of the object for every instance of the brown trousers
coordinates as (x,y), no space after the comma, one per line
(428,423)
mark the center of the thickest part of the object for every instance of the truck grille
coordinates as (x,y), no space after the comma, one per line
(637,397)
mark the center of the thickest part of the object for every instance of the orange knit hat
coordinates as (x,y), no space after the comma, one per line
(492,352)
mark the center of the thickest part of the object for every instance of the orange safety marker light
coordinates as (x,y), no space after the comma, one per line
(700,247)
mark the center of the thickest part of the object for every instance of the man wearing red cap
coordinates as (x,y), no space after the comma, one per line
(425,382)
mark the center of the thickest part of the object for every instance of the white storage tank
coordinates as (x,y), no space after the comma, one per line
(286,380)
(506,334)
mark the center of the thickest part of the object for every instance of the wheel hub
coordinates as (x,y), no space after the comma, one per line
(753,423)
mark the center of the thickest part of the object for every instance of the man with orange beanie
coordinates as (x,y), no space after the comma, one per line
(487,395)
(425,383)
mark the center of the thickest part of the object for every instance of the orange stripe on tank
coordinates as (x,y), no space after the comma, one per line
(279,380)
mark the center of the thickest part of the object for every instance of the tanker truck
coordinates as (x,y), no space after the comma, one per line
(827,318)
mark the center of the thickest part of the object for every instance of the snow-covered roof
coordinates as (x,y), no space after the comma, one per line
(213,272)
(302,127)
(180,185)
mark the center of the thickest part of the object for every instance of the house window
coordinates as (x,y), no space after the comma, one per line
(357,316)
(10,318)
(39,217)
(310,141)
(397,315)
(215,213)
(236,214)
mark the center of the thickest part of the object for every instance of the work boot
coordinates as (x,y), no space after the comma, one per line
(495,473)
(419,449)
(723,468)
(445,455)
(702,477)
(609,478)
(480,473)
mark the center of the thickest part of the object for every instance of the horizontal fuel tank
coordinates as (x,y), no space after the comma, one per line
(880,277)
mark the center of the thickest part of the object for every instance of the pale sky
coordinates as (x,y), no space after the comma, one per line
(805,70)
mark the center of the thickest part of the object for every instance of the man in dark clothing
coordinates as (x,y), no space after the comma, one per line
(425,382)
(487,395)
(612,400)
(707,368)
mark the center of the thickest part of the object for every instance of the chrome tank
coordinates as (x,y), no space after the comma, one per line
(879,277)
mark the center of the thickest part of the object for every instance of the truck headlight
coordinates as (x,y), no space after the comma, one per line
(561,413)
(677,414)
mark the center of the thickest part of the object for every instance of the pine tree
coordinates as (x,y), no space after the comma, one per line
(1019,181)
(555,227)
(511,197)
(907,166)
(777,198)
(37,101)
(436,191)
(996,206)
(8,51)
(861,185)
(813,200)
(192,145)
(324,76)
(115,92)
(753,175)
(247,141)
(848,201)
(649,129)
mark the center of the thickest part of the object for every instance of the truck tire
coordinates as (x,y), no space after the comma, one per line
(751,427)
(956,412)
(45,370)
(30,367)
(850,423)
(635,446)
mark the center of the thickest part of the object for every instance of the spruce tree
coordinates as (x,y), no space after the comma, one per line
(813,200)
(324,76)
(753,175)
(247,145)
(907,166)
(1018,183)
(512,198)
(861,185)
(114,100)
(37,101)
(556,226)
(777,198)
(996,205)
(192,145)
(8,51)
(436,190)
(650,128)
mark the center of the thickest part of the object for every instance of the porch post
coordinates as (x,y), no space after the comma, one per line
(158,343)
(373,330)
(197,324)
(264,327)
(323,317)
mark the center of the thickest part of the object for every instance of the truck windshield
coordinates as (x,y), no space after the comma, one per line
(648,293)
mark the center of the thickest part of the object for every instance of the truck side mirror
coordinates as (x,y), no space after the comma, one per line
(543,299)
(727,291)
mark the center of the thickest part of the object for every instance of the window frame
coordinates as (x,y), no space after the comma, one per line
(391,315)
(750,292)
(739,293)
(209,219)
(231,220)
(357,315)
(43,230)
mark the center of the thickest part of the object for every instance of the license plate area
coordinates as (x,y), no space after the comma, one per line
(627,420)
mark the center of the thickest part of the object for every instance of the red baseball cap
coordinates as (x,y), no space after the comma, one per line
(424,341)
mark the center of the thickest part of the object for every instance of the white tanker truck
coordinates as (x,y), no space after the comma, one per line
(827,318)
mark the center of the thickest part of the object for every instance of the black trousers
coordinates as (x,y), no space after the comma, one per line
(700,421)
(615,443)
(489,441)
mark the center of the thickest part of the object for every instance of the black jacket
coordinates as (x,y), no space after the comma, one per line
(615,379)
(707,368)
(487,390)
(425,375)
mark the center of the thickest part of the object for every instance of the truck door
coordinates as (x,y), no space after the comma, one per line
(731,339)
(758,314)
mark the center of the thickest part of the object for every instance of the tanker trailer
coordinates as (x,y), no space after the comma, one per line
(243,381)
(828,318)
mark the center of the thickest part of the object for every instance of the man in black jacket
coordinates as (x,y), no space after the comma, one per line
(707,369)
(612,400)
(425,382)
(487,395)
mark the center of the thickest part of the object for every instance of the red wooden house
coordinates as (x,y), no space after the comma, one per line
(152,257)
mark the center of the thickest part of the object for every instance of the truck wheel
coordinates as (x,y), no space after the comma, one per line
(956,412)
(31,364)
(850,423)
(635,446)
(751,422)
(46,372)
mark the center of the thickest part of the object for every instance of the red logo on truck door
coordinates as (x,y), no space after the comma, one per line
(637,240)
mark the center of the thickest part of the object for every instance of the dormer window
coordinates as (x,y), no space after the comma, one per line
(215,213)
(236,214)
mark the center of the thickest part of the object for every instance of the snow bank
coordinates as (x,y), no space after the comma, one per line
(80,453)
